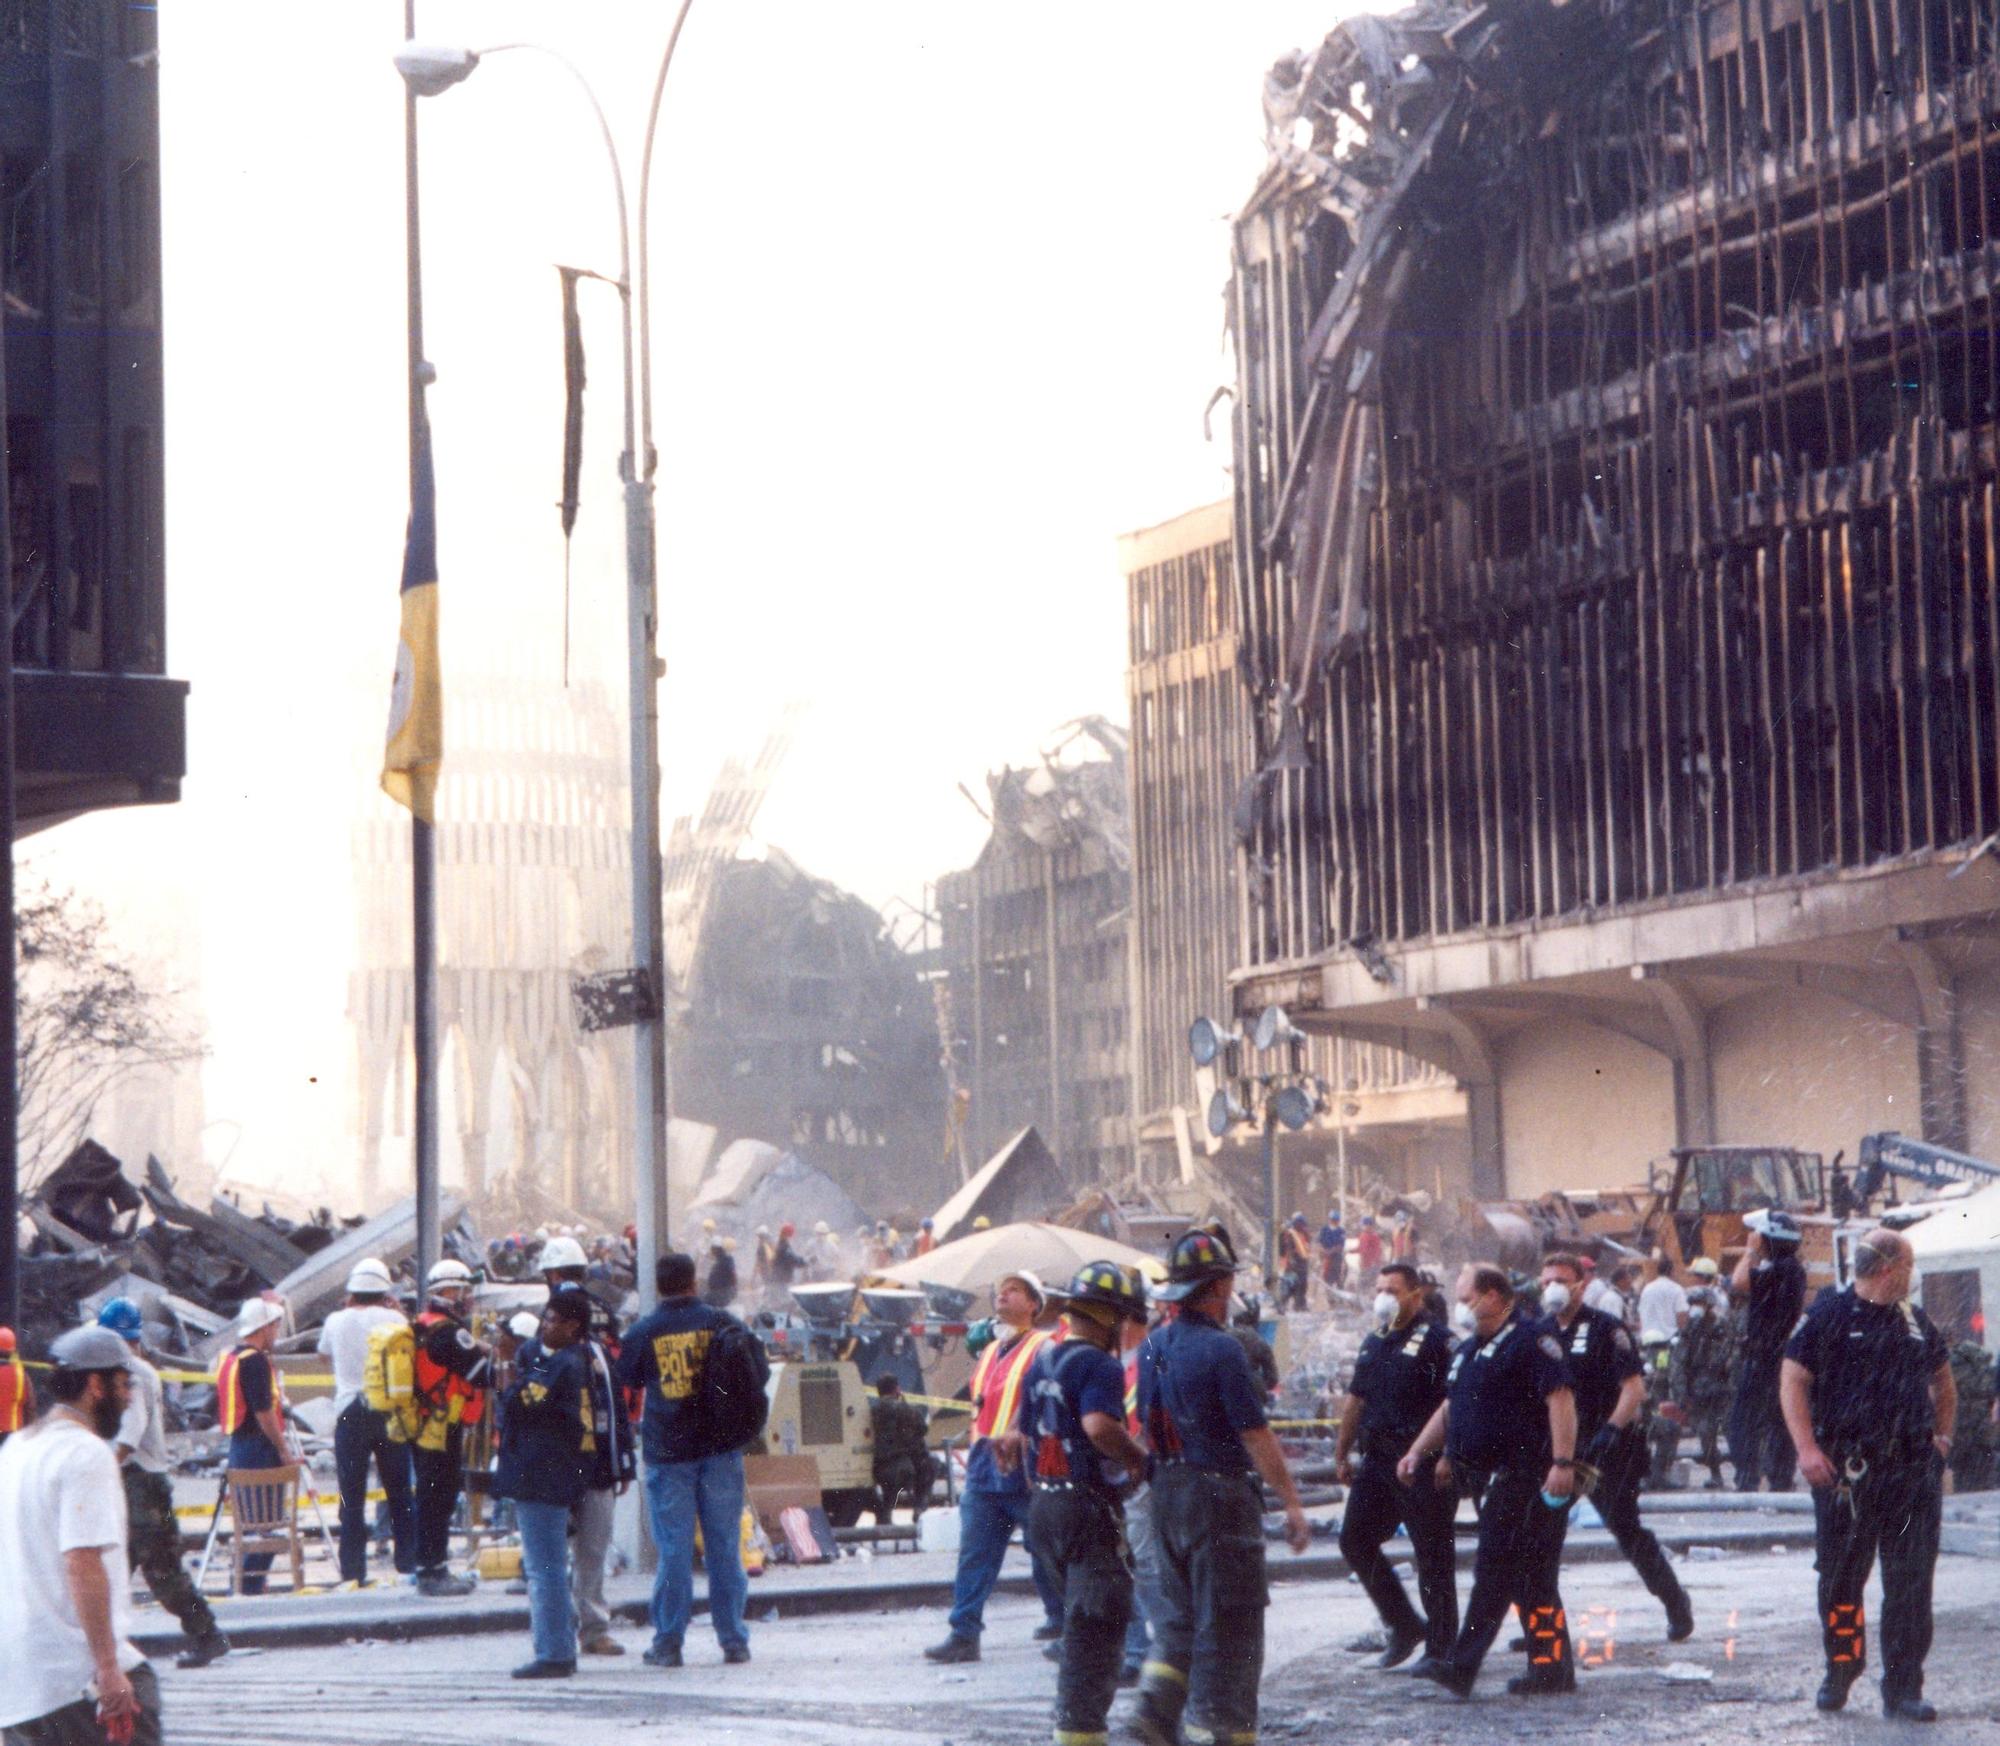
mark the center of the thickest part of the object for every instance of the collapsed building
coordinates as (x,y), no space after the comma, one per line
(803,1024)
(1617,495)
(1033,943)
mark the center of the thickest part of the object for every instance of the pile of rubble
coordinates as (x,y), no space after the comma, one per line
(97,1234)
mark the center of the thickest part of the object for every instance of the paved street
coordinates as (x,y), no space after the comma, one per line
(835,1679)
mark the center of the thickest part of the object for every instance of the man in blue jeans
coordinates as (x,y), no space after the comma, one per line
(688,1480)
(995,1501)
(547,1451)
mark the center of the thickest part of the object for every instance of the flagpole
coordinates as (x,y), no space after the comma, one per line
(423,856)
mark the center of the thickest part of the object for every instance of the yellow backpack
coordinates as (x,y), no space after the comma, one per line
(389,1379)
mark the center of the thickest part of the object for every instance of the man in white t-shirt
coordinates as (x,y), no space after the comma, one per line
(1663,1306)
(69,1675)
(361,1435)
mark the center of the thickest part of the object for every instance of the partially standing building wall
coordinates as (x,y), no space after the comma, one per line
(1616,528)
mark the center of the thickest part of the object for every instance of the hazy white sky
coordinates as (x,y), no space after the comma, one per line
(937,306)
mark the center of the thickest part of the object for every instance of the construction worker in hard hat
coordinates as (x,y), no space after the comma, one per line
(361,1434)
(453,1374)
(250,1408)
(995,1499)
(152,1532)
(926,1238)
(17,1393)
(1081,1461)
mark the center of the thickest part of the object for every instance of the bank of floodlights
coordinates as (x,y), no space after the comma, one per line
(1290,1096)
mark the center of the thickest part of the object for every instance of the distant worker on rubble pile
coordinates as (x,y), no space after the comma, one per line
(1368,1256)
(1507,1430)
(1870,1406)
(361,1432)
(1294,1263)
(994,1501)
(1210,1439)
(1398,1383)
(1771,1281)
(17,1393)
(153,1533)
(1080,1461)
(719,1289)
(926,1238)
(1332,1241)
(1610,1387)
(250,1408)
(453,1373)
(786,1262)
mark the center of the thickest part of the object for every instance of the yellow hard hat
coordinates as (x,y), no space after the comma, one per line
(982,1223)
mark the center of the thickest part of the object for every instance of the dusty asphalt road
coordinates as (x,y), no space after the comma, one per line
(841,1680)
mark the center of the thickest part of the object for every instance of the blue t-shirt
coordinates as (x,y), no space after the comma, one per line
(663,1354)
(1498,1388)
(1196,1394)
(1064,1382)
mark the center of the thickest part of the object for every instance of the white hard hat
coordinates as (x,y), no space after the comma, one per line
(524,1325)
(822,1229)
(708,1224)
(763,1230)
(369,1277)
(258,1312)
(562,1252)
(449,1272)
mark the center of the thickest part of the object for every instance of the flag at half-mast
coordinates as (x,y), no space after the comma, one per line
(415,750)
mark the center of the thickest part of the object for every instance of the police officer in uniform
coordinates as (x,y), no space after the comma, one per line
(453,1372)
(1079,1456)
(1870,1404)
(1610,1385)
(1398,1384)
(1209,1439)
(1508,1424)
(1772,1281)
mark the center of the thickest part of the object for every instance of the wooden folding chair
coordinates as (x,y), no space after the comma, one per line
(264,1517)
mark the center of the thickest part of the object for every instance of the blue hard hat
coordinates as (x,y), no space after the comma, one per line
(121,1316)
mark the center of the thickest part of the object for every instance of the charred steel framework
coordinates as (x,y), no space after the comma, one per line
(1618,489)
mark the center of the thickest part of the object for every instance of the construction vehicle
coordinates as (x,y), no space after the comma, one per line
(1700,1197)
(1892,1155)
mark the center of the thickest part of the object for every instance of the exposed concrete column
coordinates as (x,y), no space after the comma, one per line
(1480,1077)
(1940,1043)
(1694,1074)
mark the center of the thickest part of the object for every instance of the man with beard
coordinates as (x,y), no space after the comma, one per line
(66,1606)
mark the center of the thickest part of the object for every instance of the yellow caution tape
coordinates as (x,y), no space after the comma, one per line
(305,1497)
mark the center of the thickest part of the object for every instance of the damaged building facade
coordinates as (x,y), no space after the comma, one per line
(1615,530)
(1033,945)
(1399,1121)
(804,1024)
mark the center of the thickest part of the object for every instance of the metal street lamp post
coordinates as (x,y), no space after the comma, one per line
(428,70)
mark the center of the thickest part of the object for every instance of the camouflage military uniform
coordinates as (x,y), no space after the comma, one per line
(1974,1458)
(902,1461)
(153,1541)
(1702,1373)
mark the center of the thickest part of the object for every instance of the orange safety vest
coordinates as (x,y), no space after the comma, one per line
(232,1411)
(16,1395)
(1132,1425)
(996,1383)
(438,1387)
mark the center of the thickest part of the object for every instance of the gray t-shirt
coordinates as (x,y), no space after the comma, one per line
(143,1429)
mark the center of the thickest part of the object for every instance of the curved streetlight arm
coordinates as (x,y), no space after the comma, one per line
(645,287)
(625,287)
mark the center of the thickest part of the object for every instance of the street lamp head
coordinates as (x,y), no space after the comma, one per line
(429,68)
(1225,1110)
(1294,1106)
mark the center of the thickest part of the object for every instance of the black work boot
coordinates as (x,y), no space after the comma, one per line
(1834,1688)
(1680,1616)
(1401,1644)
(953,1649)
(202,1650)
(1908,1707)
(1453,1678)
